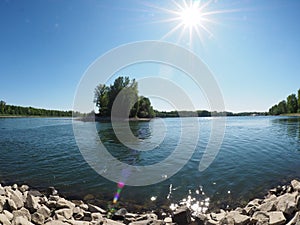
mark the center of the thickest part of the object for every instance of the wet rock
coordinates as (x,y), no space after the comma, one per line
(276,218)
(295,185)
(38,218)
(65,213)
(4,220)
(182,216)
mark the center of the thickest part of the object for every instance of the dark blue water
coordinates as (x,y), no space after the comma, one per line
(257,153)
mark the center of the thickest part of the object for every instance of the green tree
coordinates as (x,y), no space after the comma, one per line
(102,99)
(299,100)
(145,108)
(282,107)
(292,104)
(2,107)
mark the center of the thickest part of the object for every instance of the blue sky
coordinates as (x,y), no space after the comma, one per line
(46,47)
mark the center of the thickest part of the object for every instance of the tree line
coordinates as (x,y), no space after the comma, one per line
(126,91)
(13,110)
(290,105)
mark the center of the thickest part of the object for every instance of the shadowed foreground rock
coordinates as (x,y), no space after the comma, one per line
(21,206)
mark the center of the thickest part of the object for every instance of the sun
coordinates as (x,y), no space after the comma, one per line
(190,16)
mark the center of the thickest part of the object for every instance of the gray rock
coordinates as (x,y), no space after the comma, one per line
(260,217)
(276,218)
(63,203)
(17,197)
(296,185)
(78,213)
(35,193)
(84,206)
(295,219)
(111,222)
(97,216)
(78,222)
(24,188)
(147,222)
(23,212)
(2,191)
(94,208)
(14,187)
(56,222)
(217,216)
(228,220)
(8,214)
(32,202)
(45,211)
(4,220)
(255,202)
(3,200)
(51,204)
(38,218)
(212,222)
(287,203)
(54,198)
(238,218)
(268,206)
(11,204)
(66,213)
(20,220)
(182,216)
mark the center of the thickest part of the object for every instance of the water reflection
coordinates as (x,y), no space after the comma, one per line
(290,124)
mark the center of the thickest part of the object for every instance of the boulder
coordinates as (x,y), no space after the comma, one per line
(35,193)
(296,185)
(38,218)
(2,191)
(276,218)
(78,213)
(63,203)
(228,220)
(217,216)
(20,220)
(260,217)
(182,216)
(111,222)
(96,216)
(23,212)
(3,200)
(17,197)
(24,188)
(268,206)
(238,218)
(56,222)
(4,220)
(45,211)
(287,203)
(8,214)
(295,220)
(32,203)
(94,208)
(66,213)
(11,204)
(78,222)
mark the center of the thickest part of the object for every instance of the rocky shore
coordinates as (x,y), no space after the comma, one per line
(20,205)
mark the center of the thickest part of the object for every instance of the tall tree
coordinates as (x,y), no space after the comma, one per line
(282,108)
(292,104)
(299,100)
(102,99)
(2,106)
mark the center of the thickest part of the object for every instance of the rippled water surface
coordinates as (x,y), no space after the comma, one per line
(257,153)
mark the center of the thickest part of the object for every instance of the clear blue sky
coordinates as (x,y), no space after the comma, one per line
(46,46)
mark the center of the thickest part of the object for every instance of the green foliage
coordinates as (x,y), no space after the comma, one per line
(292,105)
(12,110)
(127,92)
(299,100)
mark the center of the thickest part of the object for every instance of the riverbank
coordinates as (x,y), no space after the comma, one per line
(25,206)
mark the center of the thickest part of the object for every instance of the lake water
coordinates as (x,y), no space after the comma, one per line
(257,153)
